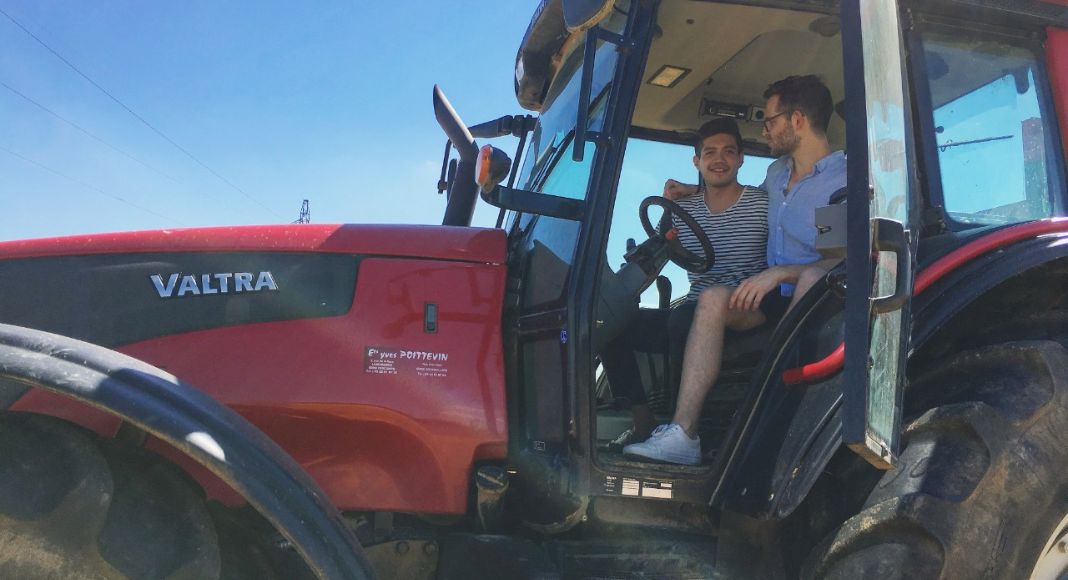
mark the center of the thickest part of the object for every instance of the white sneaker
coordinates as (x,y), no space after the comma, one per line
(668,444)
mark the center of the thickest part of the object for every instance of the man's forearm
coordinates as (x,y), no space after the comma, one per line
(790,273)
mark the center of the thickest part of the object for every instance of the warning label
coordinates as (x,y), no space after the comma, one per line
(379,360)
(614,485)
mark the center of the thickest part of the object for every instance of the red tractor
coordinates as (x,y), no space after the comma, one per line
(425,401)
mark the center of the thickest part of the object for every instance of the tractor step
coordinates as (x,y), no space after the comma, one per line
(478,557)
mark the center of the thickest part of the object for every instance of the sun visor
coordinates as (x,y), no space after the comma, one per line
(538,60)
(534,64)
(582,15)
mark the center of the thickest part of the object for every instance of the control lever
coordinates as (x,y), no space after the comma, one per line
(663,289)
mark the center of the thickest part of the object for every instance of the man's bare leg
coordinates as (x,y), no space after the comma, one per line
(677,442)
(704,351)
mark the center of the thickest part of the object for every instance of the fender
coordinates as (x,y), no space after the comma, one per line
(797,431)
(210,433)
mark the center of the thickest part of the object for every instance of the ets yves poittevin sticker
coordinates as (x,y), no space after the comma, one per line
(381,360)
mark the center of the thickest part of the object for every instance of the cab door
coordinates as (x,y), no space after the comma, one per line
(882,241)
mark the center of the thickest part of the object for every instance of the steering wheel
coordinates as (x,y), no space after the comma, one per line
(685,259)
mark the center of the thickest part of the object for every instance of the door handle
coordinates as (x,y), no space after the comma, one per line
(891,236)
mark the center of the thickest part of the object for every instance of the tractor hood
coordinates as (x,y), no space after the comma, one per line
(371,353)
(432,242)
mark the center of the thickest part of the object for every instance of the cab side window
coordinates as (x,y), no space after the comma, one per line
(994,132)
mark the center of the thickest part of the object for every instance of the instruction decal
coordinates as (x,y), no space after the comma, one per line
(380,360)
(614,485)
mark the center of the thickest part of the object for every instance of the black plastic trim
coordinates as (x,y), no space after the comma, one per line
(111,299)
(590,253)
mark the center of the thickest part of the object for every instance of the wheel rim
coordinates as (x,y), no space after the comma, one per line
(1053,562)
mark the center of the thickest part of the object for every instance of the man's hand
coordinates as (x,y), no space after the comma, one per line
(749,294)
(674,190)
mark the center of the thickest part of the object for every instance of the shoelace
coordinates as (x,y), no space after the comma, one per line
(660,431)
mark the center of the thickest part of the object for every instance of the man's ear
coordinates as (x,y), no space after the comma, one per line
(697,162)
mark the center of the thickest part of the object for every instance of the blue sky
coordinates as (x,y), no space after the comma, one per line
(284,102)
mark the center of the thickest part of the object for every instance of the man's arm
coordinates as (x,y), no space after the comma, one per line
(675,190)
(810,275)
(749,294)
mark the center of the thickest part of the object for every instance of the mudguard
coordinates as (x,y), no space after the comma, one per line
(208,432)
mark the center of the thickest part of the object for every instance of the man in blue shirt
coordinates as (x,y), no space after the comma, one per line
(807,172)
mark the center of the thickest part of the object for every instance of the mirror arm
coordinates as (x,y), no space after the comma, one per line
(536,203)
(515,167)
(515,126)
(444,182)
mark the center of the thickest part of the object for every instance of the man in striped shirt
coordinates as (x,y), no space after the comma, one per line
(804,177)
(735,219)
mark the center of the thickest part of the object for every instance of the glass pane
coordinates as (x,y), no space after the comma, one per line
(889,179)
(991,135)
(568,178)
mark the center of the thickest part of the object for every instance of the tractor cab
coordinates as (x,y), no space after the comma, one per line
(945,114)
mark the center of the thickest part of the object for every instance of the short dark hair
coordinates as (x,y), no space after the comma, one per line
(807,94)
(715,127)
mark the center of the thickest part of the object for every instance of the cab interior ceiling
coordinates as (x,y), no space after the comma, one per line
(733,53)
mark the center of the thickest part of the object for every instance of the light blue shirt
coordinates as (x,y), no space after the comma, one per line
(792,214)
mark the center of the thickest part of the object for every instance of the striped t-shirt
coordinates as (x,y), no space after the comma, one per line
(739,236)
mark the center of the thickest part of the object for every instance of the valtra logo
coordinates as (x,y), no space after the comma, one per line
(178,285)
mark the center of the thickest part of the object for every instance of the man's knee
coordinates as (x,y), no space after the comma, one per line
(713,301)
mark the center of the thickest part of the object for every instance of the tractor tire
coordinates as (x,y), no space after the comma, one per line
(72,506)
(981,487)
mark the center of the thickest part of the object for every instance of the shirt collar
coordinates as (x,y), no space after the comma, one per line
(833,159)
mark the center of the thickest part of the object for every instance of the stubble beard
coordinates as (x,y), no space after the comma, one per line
(786,144)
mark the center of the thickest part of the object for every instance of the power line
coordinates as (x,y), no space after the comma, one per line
(86,132)
(84,184)
(138,117)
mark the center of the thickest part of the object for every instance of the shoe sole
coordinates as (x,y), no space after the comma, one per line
(660,461)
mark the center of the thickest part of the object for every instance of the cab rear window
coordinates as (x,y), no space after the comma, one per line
(994,133)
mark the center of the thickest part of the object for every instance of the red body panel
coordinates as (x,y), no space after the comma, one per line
(376,433)
(434,242)
(1057,65)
